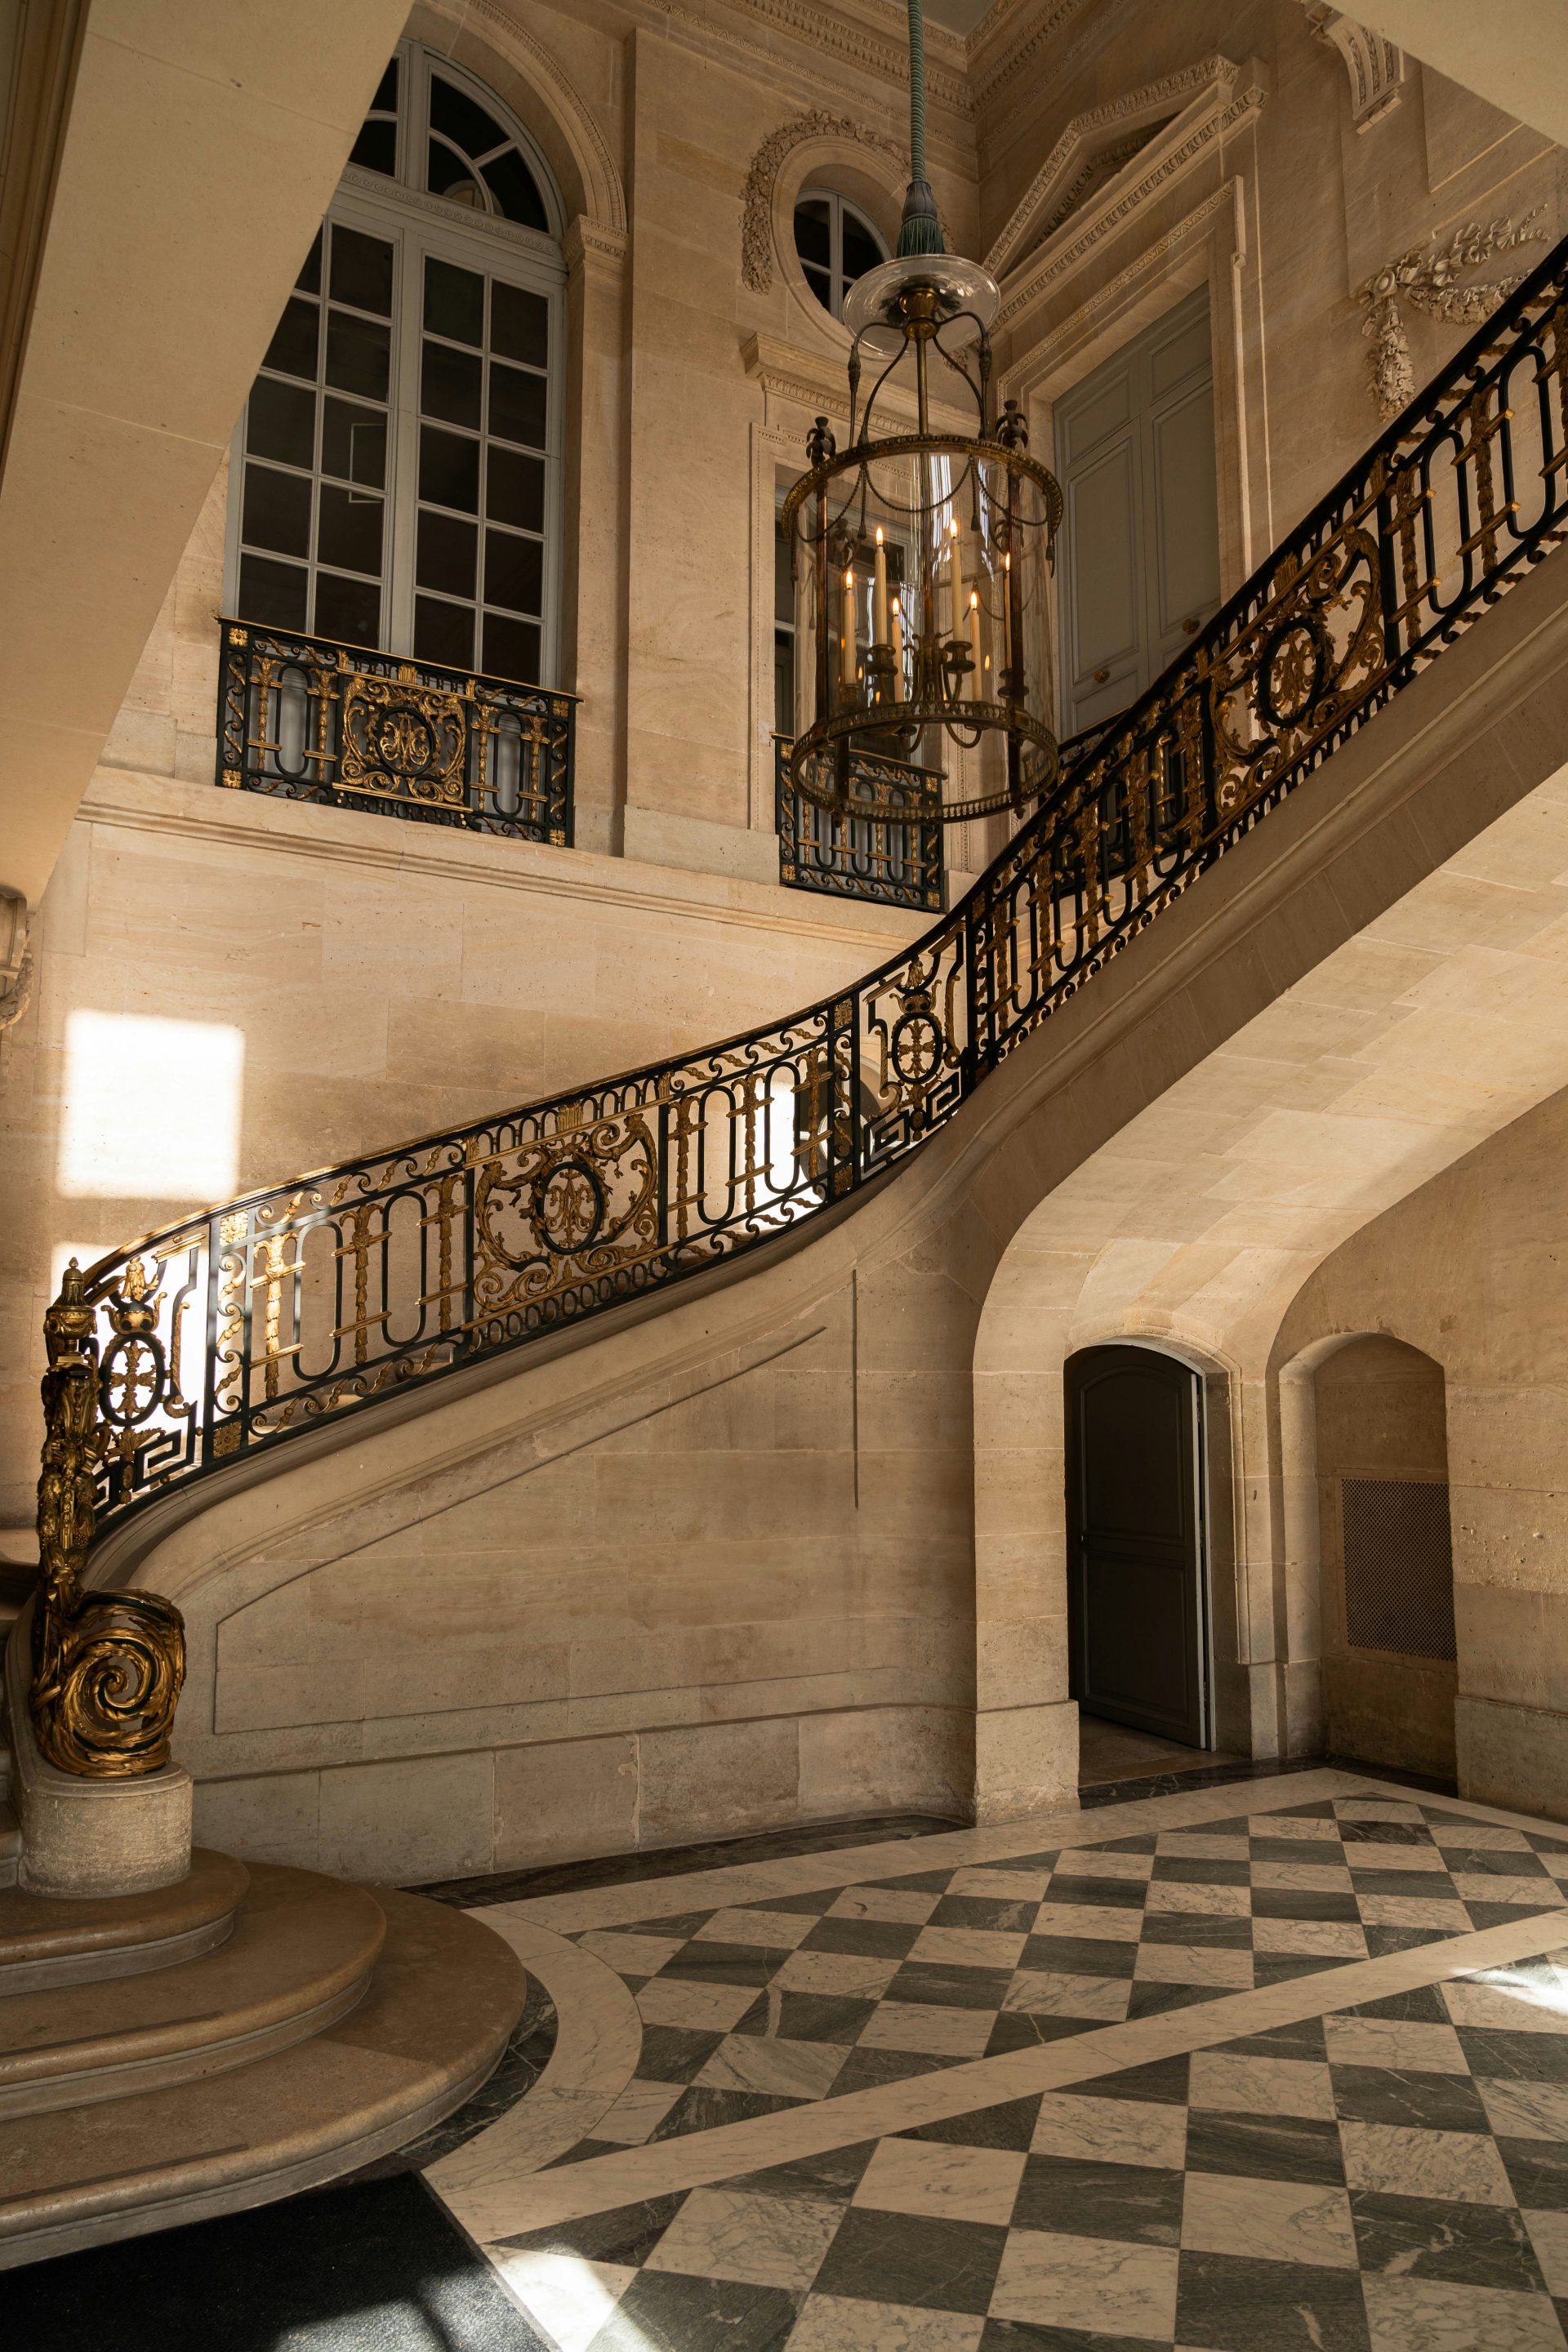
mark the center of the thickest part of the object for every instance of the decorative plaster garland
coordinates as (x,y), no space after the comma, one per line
(1426,279)
(756,224)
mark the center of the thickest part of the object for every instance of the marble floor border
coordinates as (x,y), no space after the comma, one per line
(1068,1825)
(492,2198)
(598,2041)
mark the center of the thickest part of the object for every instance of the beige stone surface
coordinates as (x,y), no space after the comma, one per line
(796,1548)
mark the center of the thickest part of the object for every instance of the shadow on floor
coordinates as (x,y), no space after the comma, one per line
(377,2266)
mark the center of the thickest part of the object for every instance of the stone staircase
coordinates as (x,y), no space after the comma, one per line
(228,2039)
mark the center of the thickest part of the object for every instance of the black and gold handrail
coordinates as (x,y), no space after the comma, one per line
(228,1333)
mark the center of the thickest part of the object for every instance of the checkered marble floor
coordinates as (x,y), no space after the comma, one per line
(1388,2178)
(753,2007)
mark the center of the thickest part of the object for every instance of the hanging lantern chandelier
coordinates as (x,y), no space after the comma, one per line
(922,558)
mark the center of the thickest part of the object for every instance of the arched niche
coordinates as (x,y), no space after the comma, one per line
(1366,1459)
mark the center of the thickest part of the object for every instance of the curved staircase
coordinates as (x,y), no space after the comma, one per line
(225,2041)
(238,2036)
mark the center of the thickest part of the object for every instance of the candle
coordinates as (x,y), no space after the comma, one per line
(847,642)
(974,644)
(955,573)
(898,632)
(1007,610)
(879,611)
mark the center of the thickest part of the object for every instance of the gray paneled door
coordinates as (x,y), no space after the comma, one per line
(1135,455)
(1135,1585)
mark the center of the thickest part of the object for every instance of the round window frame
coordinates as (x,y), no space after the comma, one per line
(839,201)
(837,165)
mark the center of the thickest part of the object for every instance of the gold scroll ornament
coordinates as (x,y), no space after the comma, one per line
(107,1666)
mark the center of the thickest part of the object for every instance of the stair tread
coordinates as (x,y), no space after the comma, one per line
(300,1940)
(47,1927)
(443,1999)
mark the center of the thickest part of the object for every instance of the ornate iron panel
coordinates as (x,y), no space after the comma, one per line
(231,1331)
(308,720)
(894,864)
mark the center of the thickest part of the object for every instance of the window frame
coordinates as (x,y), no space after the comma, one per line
(837,204)
(419,225)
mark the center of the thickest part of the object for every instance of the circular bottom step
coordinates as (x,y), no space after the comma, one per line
(48,1940)
(442,2002)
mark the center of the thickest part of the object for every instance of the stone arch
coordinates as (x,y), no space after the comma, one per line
(1043,1305)
(489,41)
(1366,1408)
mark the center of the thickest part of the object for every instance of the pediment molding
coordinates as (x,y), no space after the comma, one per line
(1227,95)
(1048,200)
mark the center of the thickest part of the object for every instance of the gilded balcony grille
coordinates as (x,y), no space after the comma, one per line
(892,863)
(232,1331)
(306,719)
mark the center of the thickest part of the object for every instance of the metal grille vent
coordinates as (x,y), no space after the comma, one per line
(1399,1566)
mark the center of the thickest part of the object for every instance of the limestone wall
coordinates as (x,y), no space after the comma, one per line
(789,1546)
(1379,1416)
(352,981)
(1473,1270)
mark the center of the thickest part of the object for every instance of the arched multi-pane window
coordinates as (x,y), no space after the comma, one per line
(397,477)
(837,243)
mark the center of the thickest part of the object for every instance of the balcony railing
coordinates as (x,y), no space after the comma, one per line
(307,719)
(890,861)
(228,1333)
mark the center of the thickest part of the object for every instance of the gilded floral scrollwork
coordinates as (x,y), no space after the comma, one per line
(107,1667)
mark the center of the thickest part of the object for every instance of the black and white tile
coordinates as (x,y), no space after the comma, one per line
(1382,2178)
(1120,2083)
(749,2008)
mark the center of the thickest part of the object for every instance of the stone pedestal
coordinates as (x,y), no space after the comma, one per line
(95,1837)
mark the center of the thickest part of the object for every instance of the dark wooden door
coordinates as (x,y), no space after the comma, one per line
(1135,1596)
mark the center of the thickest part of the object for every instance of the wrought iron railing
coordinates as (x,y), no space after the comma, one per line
(228,1333)
(308,719)
(891,861)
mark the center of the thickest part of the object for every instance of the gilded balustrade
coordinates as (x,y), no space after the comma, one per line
(228,1333)
(308,718)
(890,861)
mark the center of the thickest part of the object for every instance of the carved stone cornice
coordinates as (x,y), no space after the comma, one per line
(756,221)
(1151,259)
(1053,19)
(1375,67)
(1199,129)
(588,240)
(832,35)
(1155,100)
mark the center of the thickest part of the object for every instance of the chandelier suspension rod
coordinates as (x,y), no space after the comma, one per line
(920,231)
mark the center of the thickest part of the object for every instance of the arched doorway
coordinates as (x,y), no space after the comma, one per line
(1387,1590)
(1137,1591)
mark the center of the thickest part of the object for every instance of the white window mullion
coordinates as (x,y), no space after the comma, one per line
(403,463)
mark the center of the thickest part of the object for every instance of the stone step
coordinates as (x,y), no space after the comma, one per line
(300,1957)
(44,1942)
(443,1999)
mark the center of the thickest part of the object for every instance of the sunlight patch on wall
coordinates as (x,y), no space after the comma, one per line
(151,1108)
